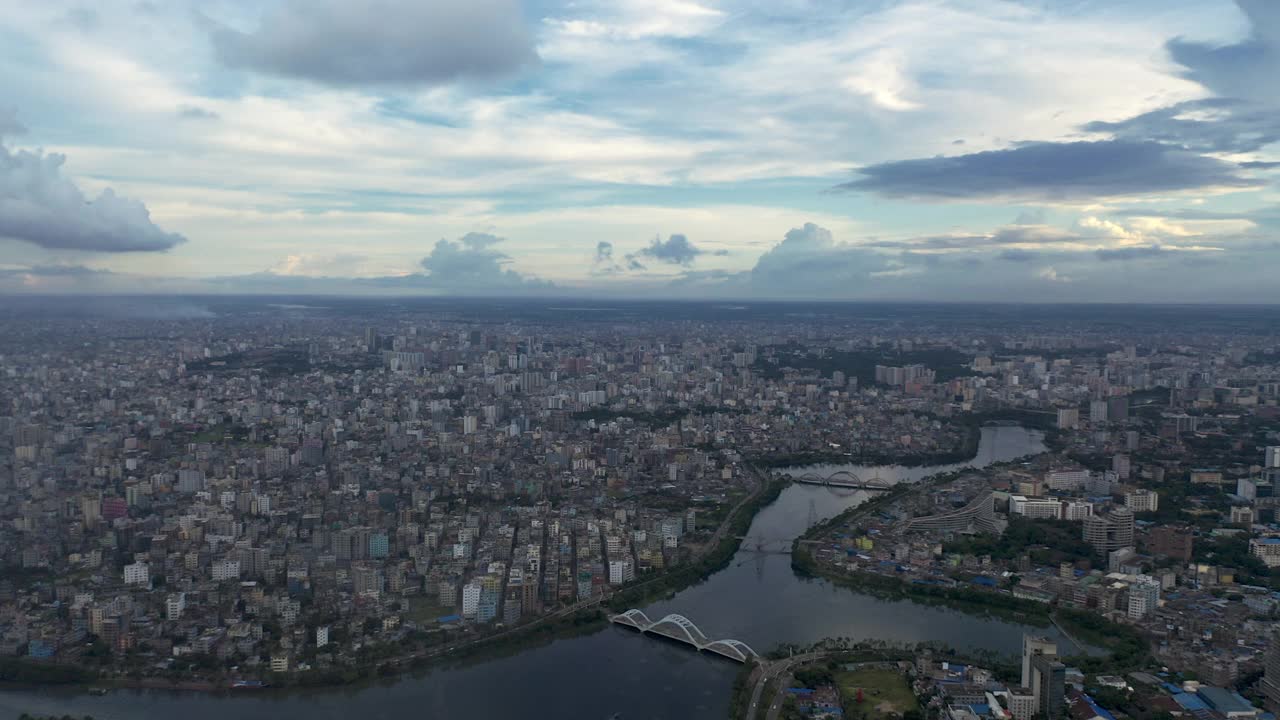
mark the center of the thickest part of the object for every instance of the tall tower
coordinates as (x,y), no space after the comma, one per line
(1271,674)
(1033,645)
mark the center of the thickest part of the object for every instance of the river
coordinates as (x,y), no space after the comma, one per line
(757,599)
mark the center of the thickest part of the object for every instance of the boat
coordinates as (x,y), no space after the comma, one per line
(97,691)
(248,685)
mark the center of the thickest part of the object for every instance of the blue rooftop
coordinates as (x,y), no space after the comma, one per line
(1098,710)
(1190,702)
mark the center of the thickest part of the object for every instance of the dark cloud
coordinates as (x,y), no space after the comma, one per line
(1246,70)
(604,251)
(1216,125)
(1054,172)
(63,271)
(677,250)
(383,42)
(193,112)
(604,262)
(1131,253)
(1018,256)
(40,206)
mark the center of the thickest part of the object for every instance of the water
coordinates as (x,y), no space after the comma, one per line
(757,599)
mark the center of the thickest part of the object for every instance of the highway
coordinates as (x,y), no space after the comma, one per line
(777,669)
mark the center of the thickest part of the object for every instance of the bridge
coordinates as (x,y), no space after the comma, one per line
(843,479)
(681,629)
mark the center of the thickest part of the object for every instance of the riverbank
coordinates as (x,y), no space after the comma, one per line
(712,561)
(381,665)
(1126,647)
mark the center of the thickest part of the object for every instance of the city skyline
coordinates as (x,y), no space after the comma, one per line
(930,151)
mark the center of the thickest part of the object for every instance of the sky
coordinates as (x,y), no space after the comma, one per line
(925,150)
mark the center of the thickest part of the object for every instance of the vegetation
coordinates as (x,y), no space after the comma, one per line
(743,686)
(885,692)
(661,418)
(1128,649)
(1049,542)
(961,597)
(16,670)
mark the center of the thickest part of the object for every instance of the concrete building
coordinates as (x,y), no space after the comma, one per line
(1033,645)
(1144,598)
(1110,531)
(1266,549)
(137,574)
(1142,501)
(1048,685)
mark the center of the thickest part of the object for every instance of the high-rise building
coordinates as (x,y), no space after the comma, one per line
(1142,501)
(1033,645)
(1118,408)
(1271,457)
(1048,685)
(1098,411)
(1110,531)
(136,574)
(1144,598)
(1271,674)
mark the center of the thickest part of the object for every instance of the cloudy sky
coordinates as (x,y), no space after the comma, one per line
(1022,150)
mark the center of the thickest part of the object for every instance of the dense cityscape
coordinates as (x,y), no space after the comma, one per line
(317,492)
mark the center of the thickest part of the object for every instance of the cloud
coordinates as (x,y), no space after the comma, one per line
(9,125)
(470,265)
(1052,172)
(1018,256)
(1246,70)
(194,112)
(808,262)
(1052,275)
(40,206)
(1216,125)
(604,262)
(677,250)
(1131,253)
(383,42)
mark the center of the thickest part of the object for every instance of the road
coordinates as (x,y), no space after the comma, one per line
(776,669)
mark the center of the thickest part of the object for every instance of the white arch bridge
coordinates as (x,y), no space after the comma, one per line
(844,479)
(682,629)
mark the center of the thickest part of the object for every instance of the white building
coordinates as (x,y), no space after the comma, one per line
(137,574)
(471,599)
(621,571)
(226,570)
(1144,597)
(1271,458)
(1066,480)
(1142,501)
(1035,507)
(322,636)
(1266,549)
(174,605)
(1076,510)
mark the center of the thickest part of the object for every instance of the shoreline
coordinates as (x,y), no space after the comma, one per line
(713,558)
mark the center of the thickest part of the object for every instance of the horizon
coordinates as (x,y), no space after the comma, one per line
(722,150)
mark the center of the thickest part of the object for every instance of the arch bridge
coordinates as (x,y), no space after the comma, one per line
(681,629)
(844,479)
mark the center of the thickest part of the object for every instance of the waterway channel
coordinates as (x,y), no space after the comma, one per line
(757,599)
